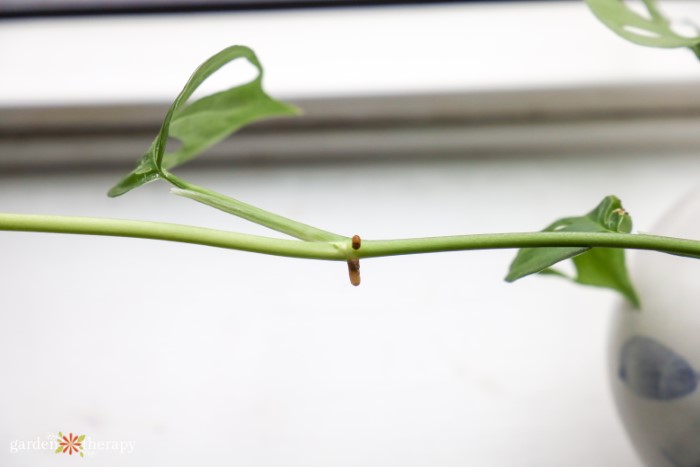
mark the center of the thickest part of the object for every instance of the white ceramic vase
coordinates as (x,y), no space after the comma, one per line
(655,351)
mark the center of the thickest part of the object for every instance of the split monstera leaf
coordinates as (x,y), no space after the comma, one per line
(653,29)
(203,123)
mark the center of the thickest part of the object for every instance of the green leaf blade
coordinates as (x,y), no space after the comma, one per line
(601,267)
(206,121)
(655,31)
(605,267)
(533,260)
(536,260)
(210,119)
(145,172)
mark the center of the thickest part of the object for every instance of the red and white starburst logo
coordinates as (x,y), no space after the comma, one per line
(70,444)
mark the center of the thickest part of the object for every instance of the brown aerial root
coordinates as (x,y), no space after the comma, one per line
(354,263)
(354,271)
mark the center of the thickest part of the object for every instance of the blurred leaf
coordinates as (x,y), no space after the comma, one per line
(602,267)
(81,438)
(205,121)
(654,30)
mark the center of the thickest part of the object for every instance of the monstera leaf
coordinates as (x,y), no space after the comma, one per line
(653,30)
(206,121)
(602,267)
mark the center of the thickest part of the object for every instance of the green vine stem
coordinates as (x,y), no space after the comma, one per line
(340,250)
(170,232)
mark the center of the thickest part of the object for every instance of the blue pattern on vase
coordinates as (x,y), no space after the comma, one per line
(652,370)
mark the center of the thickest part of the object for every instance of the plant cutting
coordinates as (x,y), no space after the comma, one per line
(594,242)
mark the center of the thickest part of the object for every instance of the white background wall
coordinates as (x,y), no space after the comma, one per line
(204,356)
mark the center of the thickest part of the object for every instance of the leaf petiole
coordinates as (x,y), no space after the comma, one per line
(251,213)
